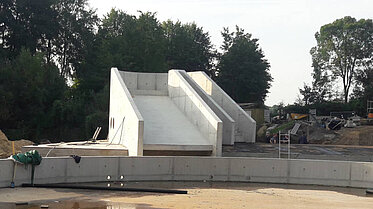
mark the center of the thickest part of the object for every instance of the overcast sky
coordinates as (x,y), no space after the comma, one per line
(285,28)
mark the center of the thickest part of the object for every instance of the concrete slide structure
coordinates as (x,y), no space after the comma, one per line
(242,128)
(171,114)
(160,114)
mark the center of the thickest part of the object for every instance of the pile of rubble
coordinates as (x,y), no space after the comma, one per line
(6,145)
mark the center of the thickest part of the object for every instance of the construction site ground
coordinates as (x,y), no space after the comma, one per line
(349,145)
(301,151)
(200,195)
(346,144)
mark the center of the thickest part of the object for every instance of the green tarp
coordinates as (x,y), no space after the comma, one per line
(31,157)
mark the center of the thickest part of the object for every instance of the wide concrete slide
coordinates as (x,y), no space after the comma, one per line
(161,112)
(243,127)
(162,116)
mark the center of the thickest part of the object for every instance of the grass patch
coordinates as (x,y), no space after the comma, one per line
(284,126)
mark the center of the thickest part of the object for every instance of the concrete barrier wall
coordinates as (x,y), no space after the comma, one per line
(126,125)
(93,169)
(245,125)
(228,122)
(196,110)
(146,83)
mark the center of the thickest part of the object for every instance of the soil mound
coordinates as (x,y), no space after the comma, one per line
(6,145)
(360,135)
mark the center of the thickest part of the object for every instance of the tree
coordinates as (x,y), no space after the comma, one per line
(128,42)
(243,72)
(343,48)
(26,24)
(28,87)
(76,24)
(188,47)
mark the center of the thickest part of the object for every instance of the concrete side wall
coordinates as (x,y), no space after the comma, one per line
(228,122)
(146,83)
(197,111)
(245,125)
(91,169)
(126,125)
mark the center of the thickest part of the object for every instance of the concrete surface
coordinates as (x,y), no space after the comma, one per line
(126,124)
(155,84)
(195,109)
(95,169)
(165,125)
(212,113)
(228,122)
(100,148)
(245,126)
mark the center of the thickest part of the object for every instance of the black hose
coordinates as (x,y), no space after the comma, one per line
(66,186)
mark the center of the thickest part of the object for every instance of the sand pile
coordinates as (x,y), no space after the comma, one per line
(6,145)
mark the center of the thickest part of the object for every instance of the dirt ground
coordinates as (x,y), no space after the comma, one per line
(360,135)
(6,145)
(200,195)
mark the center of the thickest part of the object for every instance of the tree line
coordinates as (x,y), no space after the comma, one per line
(343,59)
(56,55)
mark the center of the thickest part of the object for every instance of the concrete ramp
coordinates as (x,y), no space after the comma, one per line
(158,113)
(166,127)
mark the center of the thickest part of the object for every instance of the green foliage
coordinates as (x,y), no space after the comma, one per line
(26,24)
(188,47)
(344,48)
(314,94)
(76,24)
(282,127)
(133,43)
(325,108)
(243,72)
(28,89)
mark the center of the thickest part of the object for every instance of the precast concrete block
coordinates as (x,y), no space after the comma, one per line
(318,169)
(162,82)
(146,168)
(22,175)
(199,169)
(91,169)
(51,170)
(317,172)
(361,171)
(146,81)
(130,79)
(6,172)
(258,170)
